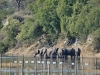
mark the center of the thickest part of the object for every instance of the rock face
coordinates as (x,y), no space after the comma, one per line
(57,52)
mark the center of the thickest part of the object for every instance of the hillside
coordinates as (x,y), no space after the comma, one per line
(86,48)
(29,25)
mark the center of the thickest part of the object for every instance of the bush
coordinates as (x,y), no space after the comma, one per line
(96,40)
(19,18)
(2,47)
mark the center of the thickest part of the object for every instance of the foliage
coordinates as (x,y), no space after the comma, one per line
(2,46)
(29,31)
(96,40)
(47,16)
(4,11)
(12,30)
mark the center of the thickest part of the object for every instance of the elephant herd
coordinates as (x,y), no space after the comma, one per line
(57,52)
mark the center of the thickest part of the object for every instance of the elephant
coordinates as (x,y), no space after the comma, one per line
(38,56)
(40,52)
(78,52)
(36,53)
(62,52)
(43,50)
(54,53)
(48,52)
(71,52)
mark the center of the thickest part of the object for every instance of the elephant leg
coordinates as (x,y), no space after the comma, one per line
(45,55)
(66,56)
(72,57)
(57,56)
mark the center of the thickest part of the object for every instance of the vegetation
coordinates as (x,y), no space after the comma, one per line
(52,18)
(96,41)
(4,11)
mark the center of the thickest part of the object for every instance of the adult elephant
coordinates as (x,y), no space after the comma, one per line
(48,52)
(51,52)
(62,52)
(43,50)
(40,52)
(71,52)
(54,53)
(37,54)
(78,52)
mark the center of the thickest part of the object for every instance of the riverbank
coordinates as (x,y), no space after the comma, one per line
(86,48)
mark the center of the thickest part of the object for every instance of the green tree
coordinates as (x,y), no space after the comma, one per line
(2,47)
(12,30)
(63,9)
(96,40)
(29,31)
(93,19)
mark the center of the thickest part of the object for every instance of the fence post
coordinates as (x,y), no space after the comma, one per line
(42,65)
(22,64)
(9,68)
(89,66)
(6,61)
(61,69)
(45,65)
(58,65)
(36,66)
(1,60)
(18,64)
(75,65)
(96,64)
(82,64)
(48,69)
(12,59)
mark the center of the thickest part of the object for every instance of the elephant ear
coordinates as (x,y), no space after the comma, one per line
(57,49)
(79,50)
(38,51)
(45,50)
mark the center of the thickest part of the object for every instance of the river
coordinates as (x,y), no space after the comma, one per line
(28,65)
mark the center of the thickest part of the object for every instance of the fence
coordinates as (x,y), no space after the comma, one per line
(22,65)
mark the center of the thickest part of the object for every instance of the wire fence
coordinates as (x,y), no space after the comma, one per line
(28,65)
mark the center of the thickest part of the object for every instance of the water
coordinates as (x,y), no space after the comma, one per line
(21,65)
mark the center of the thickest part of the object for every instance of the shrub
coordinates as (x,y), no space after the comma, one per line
(96,40)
